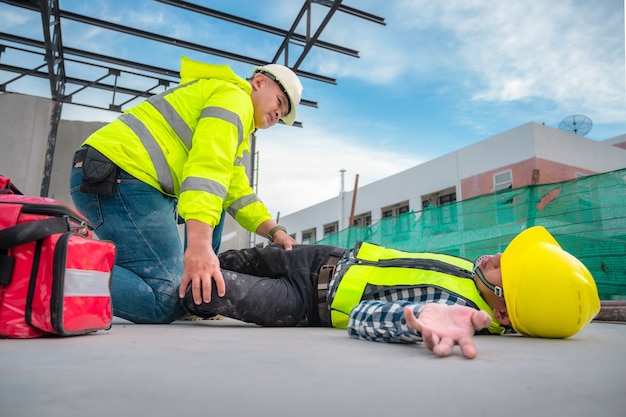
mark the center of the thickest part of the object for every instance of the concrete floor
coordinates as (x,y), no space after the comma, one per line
(228,368)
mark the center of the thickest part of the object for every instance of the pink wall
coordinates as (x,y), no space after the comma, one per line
(620,145)
(522,173)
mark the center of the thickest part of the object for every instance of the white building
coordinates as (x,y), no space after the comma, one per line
(529,154)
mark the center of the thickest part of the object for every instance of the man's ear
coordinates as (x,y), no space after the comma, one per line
(257,81)
(502,316)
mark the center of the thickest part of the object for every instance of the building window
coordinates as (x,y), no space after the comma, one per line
(447,199)
(363,220)
(308,237)
(395,224)
(331,229)
(443,215)
(439,198)
(395,210)
(503,180)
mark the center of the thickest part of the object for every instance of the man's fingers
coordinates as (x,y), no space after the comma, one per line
(444,347)
(220,285)
(481,319)
(467,347)
(429,340)
(196,291)
(411,321)
(206,289)
(183,287)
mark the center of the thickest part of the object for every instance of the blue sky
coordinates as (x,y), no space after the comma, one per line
(440,75)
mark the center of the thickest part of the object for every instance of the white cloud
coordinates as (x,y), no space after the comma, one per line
(12,18)
(300,167)
(569,52)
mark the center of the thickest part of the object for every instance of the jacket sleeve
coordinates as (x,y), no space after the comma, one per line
(242,202)
(383,321)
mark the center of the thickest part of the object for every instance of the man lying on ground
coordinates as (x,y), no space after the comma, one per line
(389,295)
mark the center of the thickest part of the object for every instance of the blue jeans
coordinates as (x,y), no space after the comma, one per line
(141,221)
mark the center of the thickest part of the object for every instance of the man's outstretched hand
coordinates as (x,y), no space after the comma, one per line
(443,326)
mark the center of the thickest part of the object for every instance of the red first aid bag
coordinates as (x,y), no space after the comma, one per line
(55,278)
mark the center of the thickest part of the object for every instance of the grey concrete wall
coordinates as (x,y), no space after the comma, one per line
(70,136)
(24,129)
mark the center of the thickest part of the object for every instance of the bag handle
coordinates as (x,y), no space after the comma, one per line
(31,231)
(8,187)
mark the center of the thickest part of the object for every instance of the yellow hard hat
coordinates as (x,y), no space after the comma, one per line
(548,291)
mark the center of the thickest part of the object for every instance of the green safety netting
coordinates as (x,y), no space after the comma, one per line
(587,216)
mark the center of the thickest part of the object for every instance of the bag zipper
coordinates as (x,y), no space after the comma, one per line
(58,282)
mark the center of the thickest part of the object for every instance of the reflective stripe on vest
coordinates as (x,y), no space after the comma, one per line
(228,116)
(242,202)
(172,117)
(164,175)
(386,267)
(203,184)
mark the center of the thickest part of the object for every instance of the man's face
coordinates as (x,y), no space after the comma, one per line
(490,267)
(270,103)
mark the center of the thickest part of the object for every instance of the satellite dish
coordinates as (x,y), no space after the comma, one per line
(576,124)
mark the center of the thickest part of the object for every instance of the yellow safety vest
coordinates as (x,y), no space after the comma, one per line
(189,141)
(376,268)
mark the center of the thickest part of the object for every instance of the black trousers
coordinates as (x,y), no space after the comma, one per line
(268,286)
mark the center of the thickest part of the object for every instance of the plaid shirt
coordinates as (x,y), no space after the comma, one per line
(381,318)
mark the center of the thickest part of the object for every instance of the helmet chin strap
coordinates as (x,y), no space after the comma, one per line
(496,290)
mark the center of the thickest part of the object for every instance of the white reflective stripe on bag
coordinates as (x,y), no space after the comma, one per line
(86,283)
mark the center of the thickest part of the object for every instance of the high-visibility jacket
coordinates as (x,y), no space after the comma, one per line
(188,142)
(374,268)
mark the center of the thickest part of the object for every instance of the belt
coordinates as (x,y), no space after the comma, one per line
(327,271)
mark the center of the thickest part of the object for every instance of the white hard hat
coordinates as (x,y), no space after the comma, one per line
(288,81)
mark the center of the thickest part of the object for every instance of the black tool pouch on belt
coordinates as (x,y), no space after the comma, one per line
(99,173)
